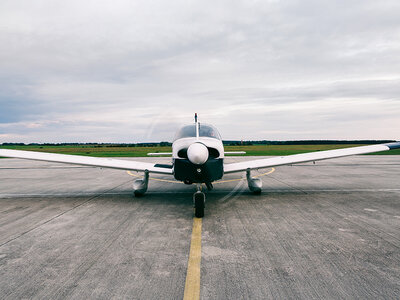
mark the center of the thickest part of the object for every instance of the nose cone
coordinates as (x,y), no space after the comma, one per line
(197,153)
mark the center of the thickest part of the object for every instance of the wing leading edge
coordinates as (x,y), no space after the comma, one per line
(87,161)
(306,157)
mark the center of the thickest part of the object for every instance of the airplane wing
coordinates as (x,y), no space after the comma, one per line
(89,161)
(160,154)
(234,152)
(306,157)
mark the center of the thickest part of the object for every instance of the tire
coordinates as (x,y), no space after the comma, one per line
(138,194)
(258,192)
(199,204)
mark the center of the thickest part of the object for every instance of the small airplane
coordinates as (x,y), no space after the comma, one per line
(197,158)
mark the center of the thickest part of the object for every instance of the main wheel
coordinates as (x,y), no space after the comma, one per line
(199,204)
(138,194)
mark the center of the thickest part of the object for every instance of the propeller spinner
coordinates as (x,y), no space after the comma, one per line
(197,153)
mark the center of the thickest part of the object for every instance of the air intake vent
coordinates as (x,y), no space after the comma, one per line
(213,153)
(182,153)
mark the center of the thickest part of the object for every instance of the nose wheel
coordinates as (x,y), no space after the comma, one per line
(199,199)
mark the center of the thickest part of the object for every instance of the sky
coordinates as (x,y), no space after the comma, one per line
(134,71)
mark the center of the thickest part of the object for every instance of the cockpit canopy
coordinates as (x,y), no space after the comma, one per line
(205,130)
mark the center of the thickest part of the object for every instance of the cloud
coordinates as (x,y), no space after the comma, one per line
(125,71)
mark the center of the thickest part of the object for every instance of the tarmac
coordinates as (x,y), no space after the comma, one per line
(329,230)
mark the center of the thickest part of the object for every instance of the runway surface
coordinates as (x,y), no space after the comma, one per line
(329,230)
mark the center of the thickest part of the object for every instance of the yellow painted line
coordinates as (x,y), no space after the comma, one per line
(230,180)
(271,171)
(192,285)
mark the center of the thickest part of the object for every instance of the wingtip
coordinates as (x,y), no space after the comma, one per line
(392,146)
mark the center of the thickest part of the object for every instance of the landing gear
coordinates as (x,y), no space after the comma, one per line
(255,184)
(140,185)
(199,199)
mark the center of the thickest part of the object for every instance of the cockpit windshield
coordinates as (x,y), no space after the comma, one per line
(205,130)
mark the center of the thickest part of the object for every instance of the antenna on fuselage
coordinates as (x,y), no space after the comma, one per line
(197,125)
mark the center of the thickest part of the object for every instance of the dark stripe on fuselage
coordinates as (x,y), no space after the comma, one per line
(188,172)
(163,166)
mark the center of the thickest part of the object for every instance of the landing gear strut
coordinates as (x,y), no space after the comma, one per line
(199,199)
(140,185)
(255,184)
(209,186)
